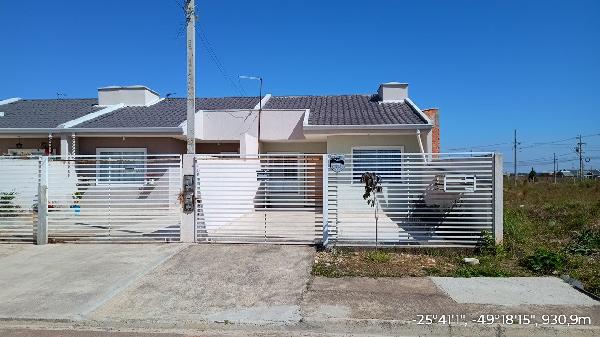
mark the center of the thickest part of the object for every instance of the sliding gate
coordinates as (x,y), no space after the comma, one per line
(426,199)
(259,198)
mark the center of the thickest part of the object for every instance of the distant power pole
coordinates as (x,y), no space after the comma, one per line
(554,154)
(579,149)
(515,144)
(190,18)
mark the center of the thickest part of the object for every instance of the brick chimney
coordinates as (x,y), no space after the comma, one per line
(434,115)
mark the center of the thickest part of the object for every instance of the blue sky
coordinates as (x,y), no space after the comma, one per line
(490,66)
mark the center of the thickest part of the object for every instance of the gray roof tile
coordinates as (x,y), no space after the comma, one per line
(44,113)
(170,112)
(348,110)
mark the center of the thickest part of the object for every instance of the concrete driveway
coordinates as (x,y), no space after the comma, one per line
(237,283)
(223,283)
(70,281)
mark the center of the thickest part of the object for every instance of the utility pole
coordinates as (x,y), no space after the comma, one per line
(554,166)
(515,144)
(579,149)
(190,18)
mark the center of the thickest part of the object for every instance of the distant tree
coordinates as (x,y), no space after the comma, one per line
(532,175)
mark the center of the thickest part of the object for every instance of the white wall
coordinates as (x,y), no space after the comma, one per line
(228,125)
(344,144)
(281,125)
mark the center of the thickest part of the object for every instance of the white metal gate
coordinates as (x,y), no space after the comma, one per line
(259,198)
(114,197)
(427,199)
(19,178)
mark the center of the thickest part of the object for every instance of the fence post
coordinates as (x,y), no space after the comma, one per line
(325,201)
(498,198)
(188,219)
(42,225)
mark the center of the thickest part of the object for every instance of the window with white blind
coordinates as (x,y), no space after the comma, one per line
(121,165)
(384,161)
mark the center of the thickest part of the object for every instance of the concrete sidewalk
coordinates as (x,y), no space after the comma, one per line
(258,290)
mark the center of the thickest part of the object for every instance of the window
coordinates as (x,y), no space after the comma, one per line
(384,161)
(121,166)
(284,172)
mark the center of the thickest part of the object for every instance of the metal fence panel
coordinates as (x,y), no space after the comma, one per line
(132,198)
(273,198)
(427,200)
(19,178)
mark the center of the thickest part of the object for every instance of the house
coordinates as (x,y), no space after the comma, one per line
(136,120)
(116,172)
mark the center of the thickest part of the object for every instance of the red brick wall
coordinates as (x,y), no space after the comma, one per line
(434,115)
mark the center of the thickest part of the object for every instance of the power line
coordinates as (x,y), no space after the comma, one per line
(217,61)
(477,147)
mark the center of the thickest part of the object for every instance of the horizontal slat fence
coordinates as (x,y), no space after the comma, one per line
(19,178)
(269,198)
(124,198)
(427,200)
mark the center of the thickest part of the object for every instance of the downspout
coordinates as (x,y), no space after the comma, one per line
(421,145)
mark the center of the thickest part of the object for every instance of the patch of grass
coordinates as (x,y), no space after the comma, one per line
(586,242)
(379,256)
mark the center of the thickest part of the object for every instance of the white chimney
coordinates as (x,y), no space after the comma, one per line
(129,95)
(393,92)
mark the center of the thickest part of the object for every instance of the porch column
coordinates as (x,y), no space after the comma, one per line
(67,145)
(64,146)
(248,144)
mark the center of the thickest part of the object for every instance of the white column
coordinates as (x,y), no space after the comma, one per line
(248,144)
(64,146)
(188,220)
(325,200)
(42,225)
(498,198)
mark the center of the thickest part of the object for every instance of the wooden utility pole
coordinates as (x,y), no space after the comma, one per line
(190,18)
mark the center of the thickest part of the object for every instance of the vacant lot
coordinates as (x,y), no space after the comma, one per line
(548,230)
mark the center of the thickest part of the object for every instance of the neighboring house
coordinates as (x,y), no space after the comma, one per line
(592,174)
(135,119)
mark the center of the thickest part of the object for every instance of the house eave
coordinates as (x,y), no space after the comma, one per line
(150,130)
(375,128)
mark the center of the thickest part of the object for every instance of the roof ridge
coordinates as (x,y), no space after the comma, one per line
(339,95)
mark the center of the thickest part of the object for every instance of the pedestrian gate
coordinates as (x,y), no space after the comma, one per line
(259,198)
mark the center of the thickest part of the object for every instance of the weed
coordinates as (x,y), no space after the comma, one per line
(544,261)
(586,242)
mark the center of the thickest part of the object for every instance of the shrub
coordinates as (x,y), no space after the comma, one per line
(544,261)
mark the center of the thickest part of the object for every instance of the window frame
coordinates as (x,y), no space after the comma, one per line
(299,172)
(375,147)
(108,181)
